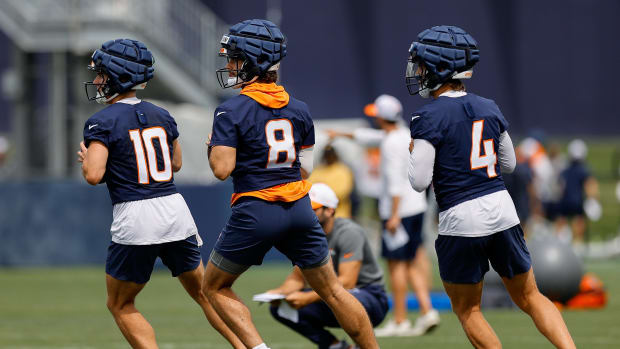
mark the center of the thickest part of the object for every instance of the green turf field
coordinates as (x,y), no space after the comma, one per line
(65,308)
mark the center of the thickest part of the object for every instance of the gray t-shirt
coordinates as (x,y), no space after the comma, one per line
(347,242)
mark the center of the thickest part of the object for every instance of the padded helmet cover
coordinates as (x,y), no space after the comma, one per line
(259,41)
(126,62)
(445,50)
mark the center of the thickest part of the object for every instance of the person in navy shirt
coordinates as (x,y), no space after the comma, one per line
(460,142)
(133,147)
(263,138)
(579,189)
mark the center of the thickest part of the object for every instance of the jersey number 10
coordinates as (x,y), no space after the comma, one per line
(147,136)
(489,159)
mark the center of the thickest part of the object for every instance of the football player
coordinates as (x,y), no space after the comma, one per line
(460,142)
(133,147)
(262,138)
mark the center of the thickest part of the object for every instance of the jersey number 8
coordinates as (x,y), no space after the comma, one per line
(151,171)
(280,139)
(489,159)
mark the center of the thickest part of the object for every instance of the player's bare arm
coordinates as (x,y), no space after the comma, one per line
(348,273)
(300,299)
(335,133)
(347,276)
(392,224)
(93,159)
(591,188)
(222,160)
(177,156)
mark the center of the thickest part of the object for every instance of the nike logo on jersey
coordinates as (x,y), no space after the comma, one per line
(91,126)
(414,117)
(219,112)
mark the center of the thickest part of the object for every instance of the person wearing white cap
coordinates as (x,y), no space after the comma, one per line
(355,265)
(577,180)
(401,210)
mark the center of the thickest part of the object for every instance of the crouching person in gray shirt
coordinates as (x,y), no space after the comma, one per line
(357,270)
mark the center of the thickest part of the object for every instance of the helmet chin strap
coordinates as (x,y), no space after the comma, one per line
(101,99)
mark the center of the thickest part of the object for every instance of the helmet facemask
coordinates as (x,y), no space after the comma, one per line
(236,76)
(99,92)
(257,46)
(125,65)
(440,54)
(418,79)
(422,81)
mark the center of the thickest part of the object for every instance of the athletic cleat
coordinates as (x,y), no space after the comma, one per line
(392,329)
(425,324)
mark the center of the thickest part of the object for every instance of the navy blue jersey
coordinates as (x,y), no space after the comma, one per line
(139,140)
(267,140)
(465,133)
(574,177)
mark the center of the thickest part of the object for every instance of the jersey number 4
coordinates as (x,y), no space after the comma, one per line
(147,163)
(280,140)
(489,159)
